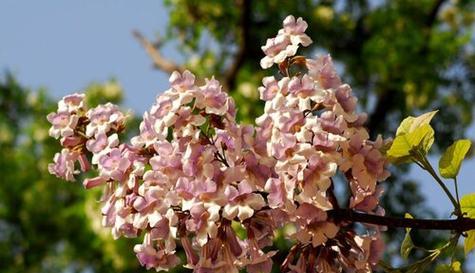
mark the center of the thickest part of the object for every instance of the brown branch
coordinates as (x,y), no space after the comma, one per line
(159,61)
(244,39)
(350,216)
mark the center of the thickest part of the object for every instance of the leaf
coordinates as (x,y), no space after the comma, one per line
(407,245)
(422,264)
(449,163)
(239,230)
(402,146)
(410,123)
(412,133)
(469,242)
(467,204)
(455,267)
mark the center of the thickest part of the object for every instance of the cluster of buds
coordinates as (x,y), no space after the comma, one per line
(196,177)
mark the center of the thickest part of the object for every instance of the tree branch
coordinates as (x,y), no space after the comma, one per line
(244,38)
(377,119)
(348,215)
(158,61)
(433,13)
(385,102)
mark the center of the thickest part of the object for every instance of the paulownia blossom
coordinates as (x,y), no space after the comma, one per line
(195,177)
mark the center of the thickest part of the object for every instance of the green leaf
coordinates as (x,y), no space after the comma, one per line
(449,163)
(455,267)
(467,204)
(410,123)
(413,133)
(422,264)
(402,146)
(239,230)
(469,242)
(407,245)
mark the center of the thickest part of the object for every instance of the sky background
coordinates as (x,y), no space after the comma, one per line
(64,45)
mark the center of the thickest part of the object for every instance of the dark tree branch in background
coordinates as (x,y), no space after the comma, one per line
(386,98)
(433,13)
(350,216)
(377,118)
(429,23)
(159,61)
(244,43)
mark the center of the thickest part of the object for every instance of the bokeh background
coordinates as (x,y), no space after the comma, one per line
(401,57)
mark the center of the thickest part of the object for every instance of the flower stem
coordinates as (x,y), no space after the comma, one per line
(428,167)
(457,192)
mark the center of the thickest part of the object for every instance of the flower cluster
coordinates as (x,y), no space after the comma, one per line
(286,43)
(195,177)
(311,130)
(79,129)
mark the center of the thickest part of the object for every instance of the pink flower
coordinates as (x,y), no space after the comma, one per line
(313,226)
(242,201)
(285,143)
(277,193)
(71,103)
(303,87)
(94,182)
(63,166)
(182,82)
(345,98)
(114,165)
(256,261)
(270,88)
(215,101)
(158,259)
(63,123)
(102,143)
(332,123)
(277,50)
(103,118)
(203,221)
(147,135)
(296,30)
(323,71)
(286,43)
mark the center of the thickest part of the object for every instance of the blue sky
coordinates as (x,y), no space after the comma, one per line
(63,45)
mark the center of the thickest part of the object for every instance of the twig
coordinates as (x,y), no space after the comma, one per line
(159,61)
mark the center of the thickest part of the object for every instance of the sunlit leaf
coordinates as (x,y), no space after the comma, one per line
(469,243)
(455,267)
(422,137)
(410,123)
(467,204)
(449,163)
(407,245)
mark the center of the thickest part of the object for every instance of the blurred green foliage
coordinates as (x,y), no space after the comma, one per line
(46,224)
(400,57)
